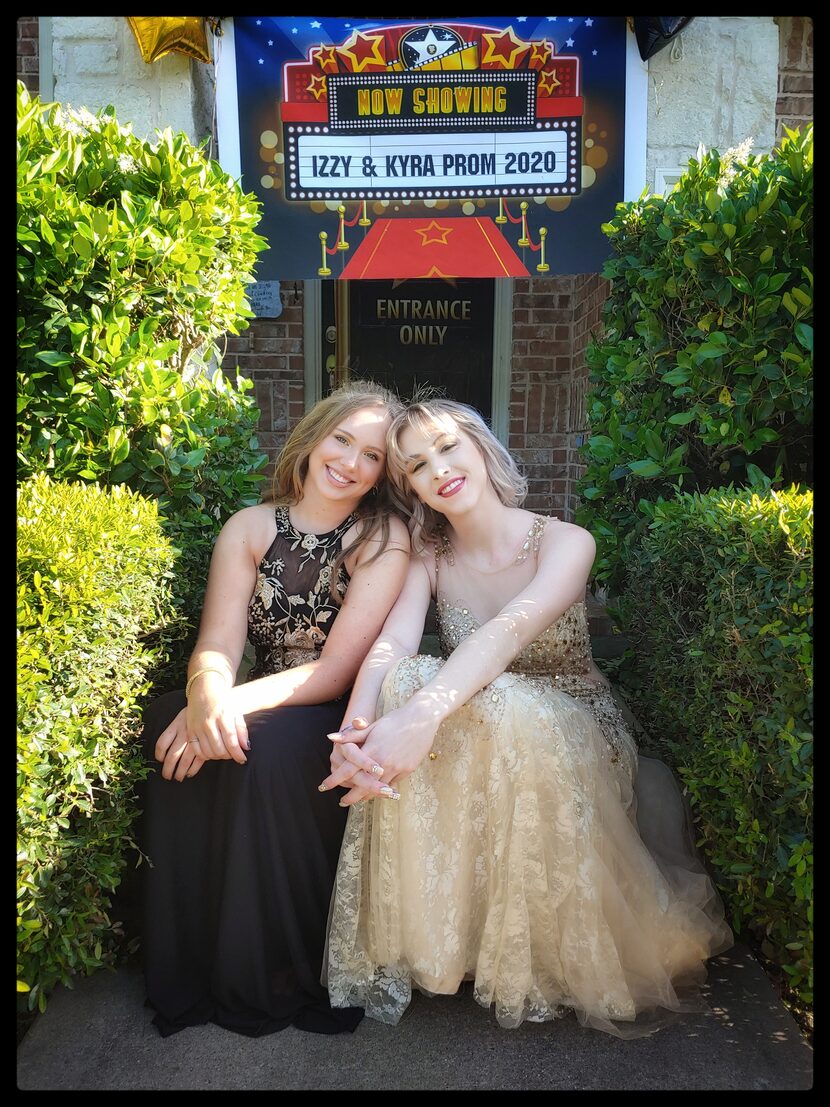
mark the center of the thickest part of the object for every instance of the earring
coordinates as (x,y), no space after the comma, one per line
(374,490)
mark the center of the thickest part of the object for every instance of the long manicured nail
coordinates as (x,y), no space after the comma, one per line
(377,770)
(390,793)
(322,788)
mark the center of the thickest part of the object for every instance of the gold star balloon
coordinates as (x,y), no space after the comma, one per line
(158,35)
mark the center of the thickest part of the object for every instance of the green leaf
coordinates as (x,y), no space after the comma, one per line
(741,283)
(804,334)
(681,418)
(46,232)
(676,376)
(81,246)
(54,358)
(645,468)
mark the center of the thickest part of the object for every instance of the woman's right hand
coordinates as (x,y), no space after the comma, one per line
(214,723)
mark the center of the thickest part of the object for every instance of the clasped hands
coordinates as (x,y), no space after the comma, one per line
(370,759)
(208,729)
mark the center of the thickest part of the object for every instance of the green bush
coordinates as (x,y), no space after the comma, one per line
(702,375)
(199,474)
(133,261)
(718,612)
(93,580)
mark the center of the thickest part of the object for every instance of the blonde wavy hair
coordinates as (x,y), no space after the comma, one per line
(425,524)
(291,468)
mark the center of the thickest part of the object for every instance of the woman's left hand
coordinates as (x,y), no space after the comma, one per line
(179,756)
(399,742)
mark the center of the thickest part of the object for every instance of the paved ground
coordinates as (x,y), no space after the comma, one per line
(99,1037)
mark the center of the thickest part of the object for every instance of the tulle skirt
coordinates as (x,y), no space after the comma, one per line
(532,858)
(241,867)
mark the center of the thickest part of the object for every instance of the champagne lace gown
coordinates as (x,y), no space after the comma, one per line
(537,856)
(242,857)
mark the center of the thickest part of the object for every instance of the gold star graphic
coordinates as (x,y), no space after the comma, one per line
(363,50)
(437,232)
(436,272)
(506,40)
(317,88)
(548,82)
(541,52)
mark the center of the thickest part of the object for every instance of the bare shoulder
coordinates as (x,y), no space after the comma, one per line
(252,528)
(559,535)
(398,540)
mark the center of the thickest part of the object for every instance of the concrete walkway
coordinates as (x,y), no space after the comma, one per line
(99,1037)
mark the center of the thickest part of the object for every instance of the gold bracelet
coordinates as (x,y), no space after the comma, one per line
(197,674)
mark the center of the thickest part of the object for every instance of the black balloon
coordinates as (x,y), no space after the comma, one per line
(656,31)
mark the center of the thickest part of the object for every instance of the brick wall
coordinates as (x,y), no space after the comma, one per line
(540,388)
(270,353)
(552,323)
(794,106)
(590,293)
(28,62)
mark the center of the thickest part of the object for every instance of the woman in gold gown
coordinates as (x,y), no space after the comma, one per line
(521,842)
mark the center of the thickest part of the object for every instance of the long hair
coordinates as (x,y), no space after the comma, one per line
(291,468)
(425,524)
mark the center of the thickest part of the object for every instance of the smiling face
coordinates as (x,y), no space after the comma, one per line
(444,467)
(350,460)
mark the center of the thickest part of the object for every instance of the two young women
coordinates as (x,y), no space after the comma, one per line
(512,835)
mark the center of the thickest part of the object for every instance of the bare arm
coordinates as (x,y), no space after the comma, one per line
(399,741)
(400,637)
(566,555)
(215,711)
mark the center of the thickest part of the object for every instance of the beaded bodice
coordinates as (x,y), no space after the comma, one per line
(563,648)
(292,610)
(561,654)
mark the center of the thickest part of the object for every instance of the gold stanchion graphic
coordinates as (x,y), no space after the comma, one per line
(342,244)
(501,217)
(364,221)
(524,240)
(542,267)
(324,270)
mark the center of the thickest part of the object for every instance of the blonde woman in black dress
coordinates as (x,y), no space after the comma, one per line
(242,847)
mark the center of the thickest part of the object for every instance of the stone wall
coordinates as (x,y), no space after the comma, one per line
(714,83)
(540,388)
(270,353)
(794,106)
(96,61)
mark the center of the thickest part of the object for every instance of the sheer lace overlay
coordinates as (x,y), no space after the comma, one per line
(290,628)
(514,859)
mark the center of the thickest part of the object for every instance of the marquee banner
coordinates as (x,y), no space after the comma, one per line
(456,148)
